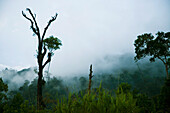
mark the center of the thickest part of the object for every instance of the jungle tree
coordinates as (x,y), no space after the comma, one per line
(3,96)
(156,47)
(50,43)
(3,90)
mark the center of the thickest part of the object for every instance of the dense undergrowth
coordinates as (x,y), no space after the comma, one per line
(131,91)
(122,99)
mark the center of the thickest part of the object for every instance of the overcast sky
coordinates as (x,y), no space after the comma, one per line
(88,29)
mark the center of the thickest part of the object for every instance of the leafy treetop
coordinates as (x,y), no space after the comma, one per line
(155,47)
(52,43)
(148,45)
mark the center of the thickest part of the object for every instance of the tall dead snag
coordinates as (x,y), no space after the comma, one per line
(90,78)
(42,50)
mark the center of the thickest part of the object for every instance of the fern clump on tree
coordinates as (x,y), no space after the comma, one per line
(50,43)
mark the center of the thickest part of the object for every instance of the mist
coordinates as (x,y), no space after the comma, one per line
(16,79)
(102,69)
(90,31)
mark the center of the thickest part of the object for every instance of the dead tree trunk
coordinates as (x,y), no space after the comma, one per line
(40,55)
(90,79)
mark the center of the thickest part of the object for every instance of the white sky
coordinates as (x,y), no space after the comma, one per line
(89,29)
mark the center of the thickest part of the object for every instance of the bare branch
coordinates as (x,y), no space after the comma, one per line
(32,24)
(33,16)
(161,59)
(45,29)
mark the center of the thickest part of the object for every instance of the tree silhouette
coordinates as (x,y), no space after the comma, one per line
(90,79)
(157,47)
(50,43)
(3,90)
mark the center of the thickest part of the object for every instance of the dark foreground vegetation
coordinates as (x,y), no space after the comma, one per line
(125,93)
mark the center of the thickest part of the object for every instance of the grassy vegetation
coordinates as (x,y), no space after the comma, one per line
(123,99)
(130,91)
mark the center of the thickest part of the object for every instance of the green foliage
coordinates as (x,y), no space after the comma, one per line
(26,108)
(52,43)
(3,90)
(124,100)
(3,96)
(54,88)
(98,102)
(147,45)
(29,91)
(156,48)
(145,103)
(123,87)
(165,96)
(13,105)
(57,97)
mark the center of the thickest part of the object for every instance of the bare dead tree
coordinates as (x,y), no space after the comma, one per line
(42,50)
(90,79)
